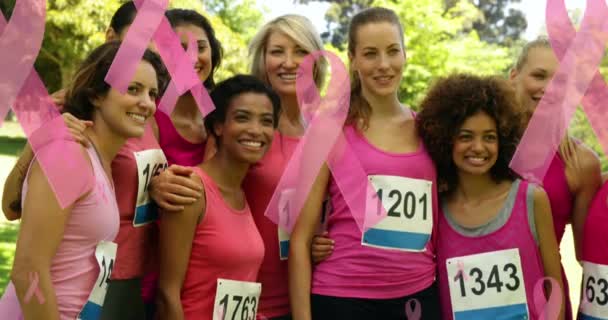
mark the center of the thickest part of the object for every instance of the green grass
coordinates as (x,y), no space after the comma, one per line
(11,146)
(8,237)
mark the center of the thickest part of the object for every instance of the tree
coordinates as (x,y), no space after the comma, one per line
(74,27)
(497,23)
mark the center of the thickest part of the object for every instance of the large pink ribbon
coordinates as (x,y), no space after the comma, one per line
(135,43)
(58,157)
(578,67)
(20,43)
(151,24)
(323,142)
(547,309)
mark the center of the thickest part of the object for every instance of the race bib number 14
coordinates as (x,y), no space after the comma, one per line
(487,286)
(105,254)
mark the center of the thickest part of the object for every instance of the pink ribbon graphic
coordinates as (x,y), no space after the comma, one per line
(323,141)
(460,266)
(576,75)
(414,313)
(21,87)
(547,310)
(33,289)
(151,24)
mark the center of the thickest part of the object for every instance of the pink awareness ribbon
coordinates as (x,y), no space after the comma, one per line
(323,141)
(460,266)
(34,289)
(21,87)
(151,24)
(547,309)
(413,313)
(576,77)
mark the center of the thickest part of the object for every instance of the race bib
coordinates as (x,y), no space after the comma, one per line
(409,221)
(594,298)
(149,163)
(236,300)
(105,253)
(284,236)
(487,286)
(284,217)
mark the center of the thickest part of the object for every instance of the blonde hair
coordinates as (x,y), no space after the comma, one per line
(541,42)
(298,28)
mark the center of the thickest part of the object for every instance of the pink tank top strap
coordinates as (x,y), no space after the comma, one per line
(177,149)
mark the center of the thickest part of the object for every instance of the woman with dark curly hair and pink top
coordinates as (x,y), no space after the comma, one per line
(495,233)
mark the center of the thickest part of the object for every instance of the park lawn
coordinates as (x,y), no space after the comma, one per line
(12,140)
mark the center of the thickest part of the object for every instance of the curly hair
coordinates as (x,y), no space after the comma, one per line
(454,99)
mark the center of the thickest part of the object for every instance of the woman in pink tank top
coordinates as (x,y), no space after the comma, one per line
(210,253)
(371,275)
(494,245)
(277,51)
(62,254)
(569,184)
(594,296)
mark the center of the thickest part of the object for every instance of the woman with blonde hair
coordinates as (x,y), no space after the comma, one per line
(276,52)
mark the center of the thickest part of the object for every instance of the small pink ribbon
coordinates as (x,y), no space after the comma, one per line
(33,289)
(547,310)
(460,266)
(414,313)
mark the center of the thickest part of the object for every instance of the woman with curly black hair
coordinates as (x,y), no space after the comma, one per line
(496,238)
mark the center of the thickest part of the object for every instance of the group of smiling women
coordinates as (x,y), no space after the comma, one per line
(175,226)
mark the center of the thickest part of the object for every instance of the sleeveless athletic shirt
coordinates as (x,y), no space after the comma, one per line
(226,245)
(74,268)
(359,271)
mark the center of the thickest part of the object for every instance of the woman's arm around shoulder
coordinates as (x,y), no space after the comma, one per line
(300,264)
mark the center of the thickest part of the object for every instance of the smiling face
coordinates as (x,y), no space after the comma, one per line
(475,149)
(248,129)
(534,76)
(282,59)
(203,62)
(378,58)
(126,114)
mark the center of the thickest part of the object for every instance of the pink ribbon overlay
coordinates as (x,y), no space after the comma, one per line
(323,141)
(547,309)
(151,24)
(413,313)
(22,88)
(34,289)
(580,56)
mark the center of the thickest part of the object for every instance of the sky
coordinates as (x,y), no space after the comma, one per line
(315,11)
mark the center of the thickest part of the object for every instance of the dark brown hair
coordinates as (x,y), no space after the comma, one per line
(89,82)
(454,99)
(359,107)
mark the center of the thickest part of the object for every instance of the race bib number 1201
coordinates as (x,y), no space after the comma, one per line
(409,207)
